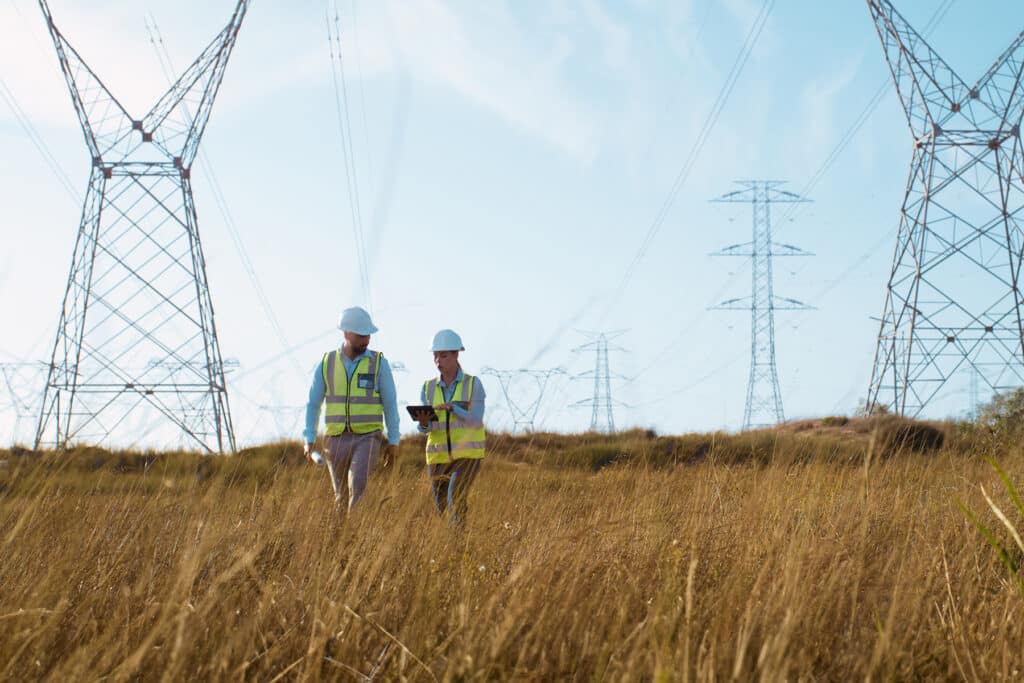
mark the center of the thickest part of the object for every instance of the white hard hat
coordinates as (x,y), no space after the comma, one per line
(357,321)
(447,340)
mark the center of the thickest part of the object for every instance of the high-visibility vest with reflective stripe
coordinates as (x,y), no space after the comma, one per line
(353,403)
(451,437)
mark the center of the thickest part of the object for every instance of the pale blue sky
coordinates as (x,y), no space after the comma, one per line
(511,156)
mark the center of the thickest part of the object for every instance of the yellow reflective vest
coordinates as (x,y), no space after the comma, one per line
(353,403)
(452,437)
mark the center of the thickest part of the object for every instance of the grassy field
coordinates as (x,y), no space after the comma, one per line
(820,551)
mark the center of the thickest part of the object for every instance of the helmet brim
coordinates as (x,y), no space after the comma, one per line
(364,331)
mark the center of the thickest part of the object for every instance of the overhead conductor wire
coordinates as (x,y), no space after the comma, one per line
(37,141)
(815,179)
(698,144)
(164,58)
(703,134)
(348,147)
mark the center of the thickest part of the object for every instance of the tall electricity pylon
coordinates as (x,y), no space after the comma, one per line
(602,418)
(136,335)
(953,298)
(523,415)
(764,399)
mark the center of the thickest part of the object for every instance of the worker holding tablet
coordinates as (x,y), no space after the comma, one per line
(452,417)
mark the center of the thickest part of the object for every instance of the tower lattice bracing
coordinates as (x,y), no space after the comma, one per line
(953,297)
(764,399)
(136,348)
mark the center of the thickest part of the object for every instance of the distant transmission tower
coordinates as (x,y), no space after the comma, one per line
(523,415)
(21,382)
(953,299)
(136,333)
(764,400)
(602,418)
(286,418)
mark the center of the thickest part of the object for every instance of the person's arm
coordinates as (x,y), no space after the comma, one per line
(389,397)
(316,397)
(475,414)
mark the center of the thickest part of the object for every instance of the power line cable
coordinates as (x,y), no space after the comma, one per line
(362,100)
(278,356)
(884,89)
(167,67)
(702,137)
(674,93)
(933,23)
(348,146)
(37,141)
(873,102)
(683,334)
(845,140)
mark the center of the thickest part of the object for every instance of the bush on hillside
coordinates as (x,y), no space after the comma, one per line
(865,410)
(1004,414)
(895,434)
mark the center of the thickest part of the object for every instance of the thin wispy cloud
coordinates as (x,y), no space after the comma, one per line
(493,66)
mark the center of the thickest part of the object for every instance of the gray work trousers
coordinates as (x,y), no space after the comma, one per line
(350,459)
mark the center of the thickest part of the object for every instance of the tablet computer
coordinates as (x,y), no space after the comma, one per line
(416,410)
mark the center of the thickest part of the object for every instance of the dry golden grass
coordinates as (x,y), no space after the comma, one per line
(794,566)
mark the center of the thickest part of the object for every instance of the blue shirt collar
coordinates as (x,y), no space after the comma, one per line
(458,378)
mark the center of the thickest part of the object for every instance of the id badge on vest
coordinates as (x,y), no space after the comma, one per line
(365,381)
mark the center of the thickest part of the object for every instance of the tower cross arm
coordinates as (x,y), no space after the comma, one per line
(740,304)
(590,403)
(760,191)
(780,249)
(744,249)
(778,196)
(780,303)
(104,121)
(928,88)
(590,374)
(177,121)
(596,344)
(1000,86)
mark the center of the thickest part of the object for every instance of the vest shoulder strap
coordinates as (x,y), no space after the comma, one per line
(327,369)
(375,359)
(466,391)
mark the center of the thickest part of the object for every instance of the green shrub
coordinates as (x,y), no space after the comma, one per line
(1004,414)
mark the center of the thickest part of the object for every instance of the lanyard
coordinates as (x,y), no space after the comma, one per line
(444,389)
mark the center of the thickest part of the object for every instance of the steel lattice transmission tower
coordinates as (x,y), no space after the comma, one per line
(764,399)
(953,297)
(602,418)
(136,339)
(523,415)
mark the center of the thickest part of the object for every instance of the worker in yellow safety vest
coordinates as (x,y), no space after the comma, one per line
(358,389)
(456,440)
